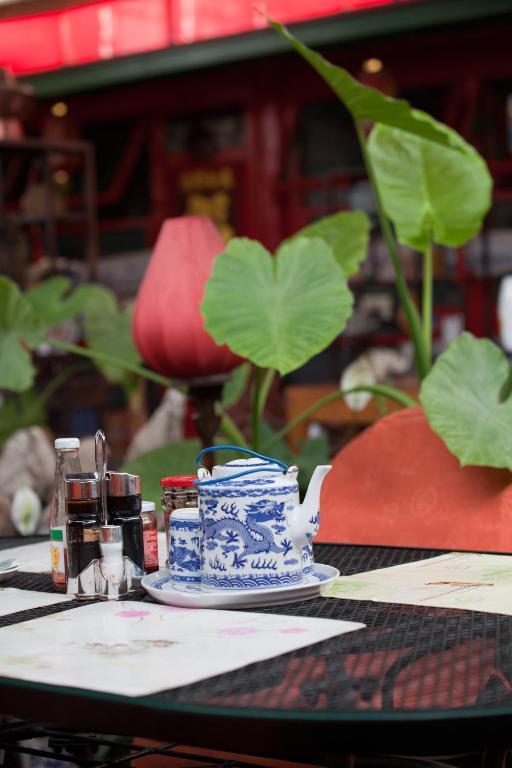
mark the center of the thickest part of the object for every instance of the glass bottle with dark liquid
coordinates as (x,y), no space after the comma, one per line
(83,506)
(124,504)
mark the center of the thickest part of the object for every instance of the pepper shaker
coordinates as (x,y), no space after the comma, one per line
(83,507)
(124,505)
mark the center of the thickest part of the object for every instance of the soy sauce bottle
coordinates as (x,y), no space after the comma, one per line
(124,504)
(83,507)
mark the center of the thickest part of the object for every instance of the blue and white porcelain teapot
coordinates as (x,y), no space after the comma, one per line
(254,531)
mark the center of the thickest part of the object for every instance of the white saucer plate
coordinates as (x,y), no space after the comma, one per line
(7,569)
(161,588)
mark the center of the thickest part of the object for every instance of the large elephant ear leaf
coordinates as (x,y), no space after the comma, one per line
(461,398)
(428,191)
(347,233)
(366,103)
(20,329)
(276,312)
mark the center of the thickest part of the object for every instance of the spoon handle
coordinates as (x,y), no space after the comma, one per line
(100,445)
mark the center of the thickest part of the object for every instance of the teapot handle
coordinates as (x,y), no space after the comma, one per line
(212,448)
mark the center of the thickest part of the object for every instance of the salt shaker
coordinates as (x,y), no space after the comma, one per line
(112,570)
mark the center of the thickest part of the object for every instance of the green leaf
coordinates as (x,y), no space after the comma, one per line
(19,329)
(54,301)
(347,233)
(172,459)
(366,103)
(109,330)
(235,387)
(460,397)
(277,312)
(430,191)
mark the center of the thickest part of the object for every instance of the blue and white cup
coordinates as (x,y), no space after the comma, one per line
(184,546)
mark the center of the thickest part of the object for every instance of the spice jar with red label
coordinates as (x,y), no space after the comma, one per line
(150,535)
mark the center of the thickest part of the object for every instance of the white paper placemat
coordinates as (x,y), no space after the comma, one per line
(33,558)
(136,648)
(13,600)
(474,582)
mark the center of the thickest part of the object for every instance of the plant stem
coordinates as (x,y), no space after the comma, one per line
(101,357)
(264,390)
(376,389)
(230,429)
(255,416)
(427,303)
(59,380)
(506,389)
(411,312)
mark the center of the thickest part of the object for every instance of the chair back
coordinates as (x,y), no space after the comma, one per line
(398,485)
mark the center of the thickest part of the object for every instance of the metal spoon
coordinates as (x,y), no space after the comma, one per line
(100,446)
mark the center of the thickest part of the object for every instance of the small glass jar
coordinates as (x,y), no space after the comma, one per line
(178,492)
(150,535)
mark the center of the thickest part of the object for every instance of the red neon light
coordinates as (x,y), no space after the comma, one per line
(111,28)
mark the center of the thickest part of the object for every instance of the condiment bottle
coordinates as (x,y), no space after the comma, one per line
(83,507)
(150,535)
(68,463)
(112,570)
(124,506)
(178,492)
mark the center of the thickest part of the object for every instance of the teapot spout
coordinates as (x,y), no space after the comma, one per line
(306,515)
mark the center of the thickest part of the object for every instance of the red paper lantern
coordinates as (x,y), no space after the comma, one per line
(168,326)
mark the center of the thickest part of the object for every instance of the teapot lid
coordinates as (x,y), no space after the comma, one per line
(240,465)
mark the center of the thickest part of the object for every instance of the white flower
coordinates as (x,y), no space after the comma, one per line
(25,510)
(357,374)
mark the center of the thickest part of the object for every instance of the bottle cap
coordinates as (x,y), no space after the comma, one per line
(178,481)
(111,534)
(83,485)
(148,506)
(185,513)
(122,484)
(67,442)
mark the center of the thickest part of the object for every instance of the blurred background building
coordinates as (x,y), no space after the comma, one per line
(127,112)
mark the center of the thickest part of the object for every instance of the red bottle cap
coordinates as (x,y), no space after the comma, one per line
(178,481)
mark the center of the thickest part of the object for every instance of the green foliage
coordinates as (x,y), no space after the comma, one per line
(20,330)
(235,387)
(54,300)
(173,459)
(430,192)
(108,330)
(460,397)
(366,103)
(347,233)
(276,312)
